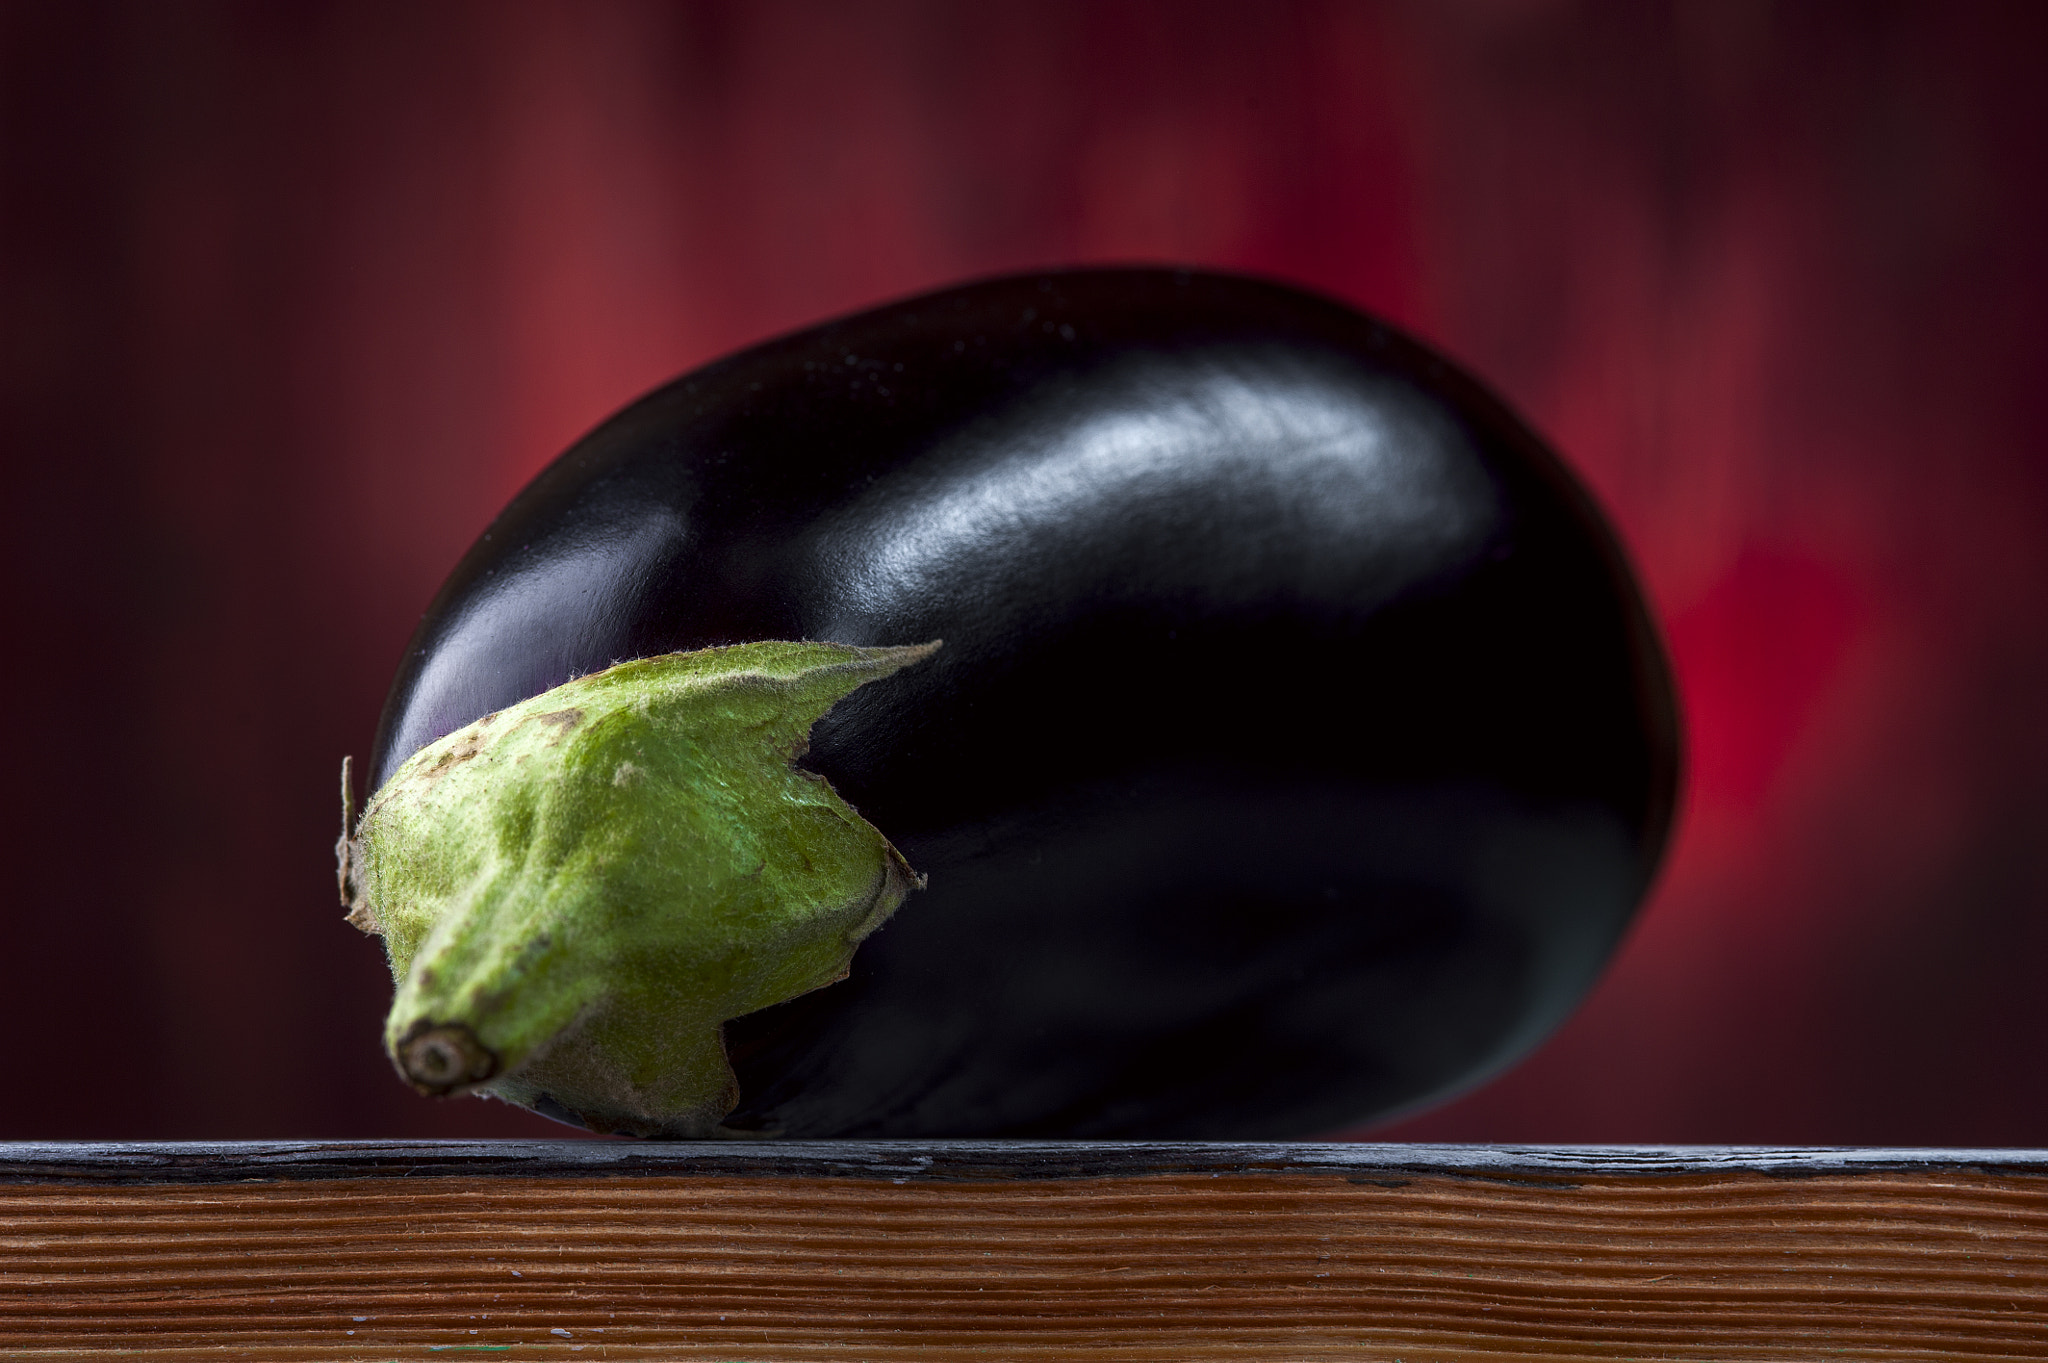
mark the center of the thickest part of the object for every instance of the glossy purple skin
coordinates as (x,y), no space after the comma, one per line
(1299,749)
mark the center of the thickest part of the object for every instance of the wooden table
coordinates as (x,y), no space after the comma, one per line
(997,1251)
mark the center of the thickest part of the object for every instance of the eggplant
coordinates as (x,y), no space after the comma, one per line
(1286,742)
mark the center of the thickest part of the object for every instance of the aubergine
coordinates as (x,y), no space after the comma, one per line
(1256,731)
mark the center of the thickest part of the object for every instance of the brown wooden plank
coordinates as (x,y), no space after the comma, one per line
(1030,1252)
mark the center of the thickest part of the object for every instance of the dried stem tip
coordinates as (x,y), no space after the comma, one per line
(440,1057)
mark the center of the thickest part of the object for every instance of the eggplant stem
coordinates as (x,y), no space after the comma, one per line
(439,1057)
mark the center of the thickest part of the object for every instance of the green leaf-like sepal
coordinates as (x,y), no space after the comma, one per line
(576,892)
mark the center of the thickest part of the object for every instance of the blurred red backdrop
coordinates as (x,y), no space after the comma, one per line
(297,295)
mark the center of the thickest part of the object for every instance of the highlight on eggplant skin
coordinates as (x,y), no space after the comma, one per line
(1299,751)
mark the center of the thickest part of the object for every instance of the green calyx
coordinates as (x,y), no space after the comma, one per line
(578,891)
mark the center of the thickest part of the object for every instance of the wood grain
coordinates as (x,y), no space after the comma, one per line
(1029,1252)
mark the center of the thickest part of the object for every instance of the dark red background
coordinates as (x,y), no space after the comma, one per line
(296,295)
